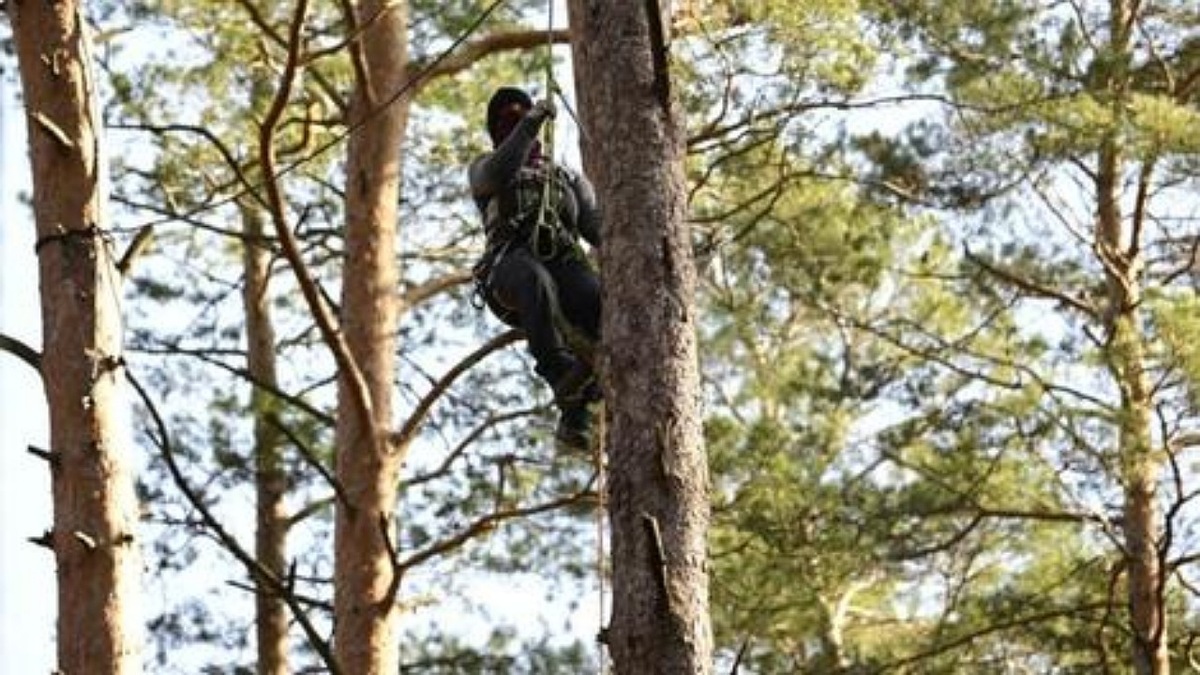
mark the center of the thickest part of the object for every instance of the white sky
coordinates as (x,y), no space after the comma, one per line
(27,593)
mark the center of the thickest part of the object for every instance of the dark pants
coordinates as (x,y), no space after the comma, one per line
(545,298)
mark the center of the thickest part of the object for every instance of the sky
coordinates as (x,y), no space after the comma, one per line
(27,595)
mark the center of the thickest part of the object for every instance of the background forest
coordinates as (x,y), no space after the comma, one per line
(949,328)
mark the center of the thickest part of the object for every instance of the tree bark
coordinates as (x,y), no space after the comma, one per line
(95,510)
(658,505)
(270,480)
(367,465)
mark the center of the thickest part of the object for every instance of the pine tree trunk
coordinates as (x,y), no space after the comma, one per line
(367,466)
(270,481)
(659,481)
(95,510)
(1141,464)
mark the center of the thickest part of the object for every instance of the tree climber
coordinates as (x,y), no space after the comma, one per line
(533,274)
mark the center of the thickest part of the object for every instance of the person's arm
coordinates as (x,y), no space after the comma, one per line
(491,172)
(588,222)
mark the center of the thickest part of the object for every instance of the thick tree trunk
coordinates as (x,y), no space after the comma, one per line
(95,511)
(659,481)
(270,480)
(367,466)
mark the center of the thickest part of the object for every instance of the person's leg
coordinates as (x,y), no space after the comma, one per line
(579,300)
(578,294)
(520,282)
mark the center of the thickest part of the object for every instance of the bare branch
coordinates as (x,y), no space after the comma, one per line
(413,296)
(310,458)
(327,88)
(356,384)
(49,456)
(489,522)
(303,599)
(248,188)
(354,42)
(22,351)
(474,51)
(1028,285)
(256,569)
(207,357)
(418,415)
(464,445)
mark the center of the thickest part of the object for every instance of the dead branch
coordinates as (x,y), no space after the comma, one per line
(310,458)
(464,445)
(256,569)
(413,296)
(402,437)
(488,523)
(421,72)
(330,331)
(22,351)
(1028,285)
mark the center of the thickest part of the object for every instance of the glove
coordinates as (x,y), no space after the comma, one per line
(544,109)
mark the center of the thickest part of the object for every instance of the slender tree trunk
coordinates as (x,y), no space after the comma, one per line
(367,466)
(270,480)
(1141,465)
(659,481)
(95,511)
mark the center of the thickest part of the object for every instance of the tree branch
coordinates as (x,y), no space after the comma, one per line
(487,523)
(966,638)
(257,571)
(330,331)
(242,372)
(22,351)
(310,458)
(1029,286)
(463,446)
(404,436)
(475,50)
(413,296)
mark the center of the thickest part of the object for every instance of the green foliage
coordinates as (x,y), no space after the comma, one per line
(1176,319)
(913,405)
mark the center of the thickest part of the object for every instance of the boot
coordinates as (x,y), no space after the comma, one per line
(574,392)
(575,383)
(574,431)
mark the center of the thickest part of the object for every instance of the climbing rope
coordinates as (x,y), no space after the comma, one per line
(580,344)
(547,212)
(601,555)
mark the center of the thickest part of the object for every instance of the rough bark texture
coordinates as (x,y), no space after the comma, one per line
(367,466)
(95,511)
(658,501)
(270,481)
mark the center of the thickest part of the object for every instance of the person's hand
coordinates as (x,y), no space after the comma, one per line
(544,109)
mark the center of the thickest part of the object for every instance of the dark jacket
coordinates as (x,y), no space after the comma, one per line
(507,189)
